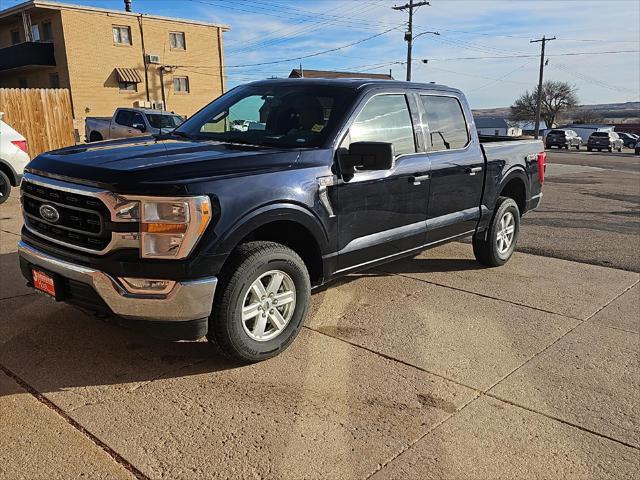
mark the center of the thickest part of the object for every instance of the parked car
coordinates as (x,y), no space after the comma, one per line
(130,122)
(14,157)
(638,147)
(563,139)
(210,231)
(629,139)
(604,141)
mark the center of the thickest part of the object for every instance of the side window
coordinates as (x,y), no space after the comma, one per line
(137,118)
(124,117)
(445,120)
(385,118)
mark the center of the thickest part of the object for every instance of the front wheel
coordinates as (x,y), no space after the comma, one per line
(262,302)
(577,147)
(5,187)
(495,246)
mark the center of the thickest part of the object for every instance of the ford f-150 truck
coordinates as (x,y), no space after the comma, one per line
(129,122)
(212,231)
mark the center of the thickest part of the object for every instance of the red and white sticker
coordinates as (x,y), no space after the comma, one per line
(43,282)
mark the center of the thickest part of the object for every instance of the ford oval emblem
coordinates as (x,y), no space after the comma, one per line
(49,213)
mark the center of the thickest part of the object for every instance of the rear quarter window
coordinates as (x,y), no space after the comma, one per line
(446,123)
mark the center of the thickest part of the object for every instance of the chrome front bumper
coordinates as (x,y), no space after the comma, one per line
(187,300)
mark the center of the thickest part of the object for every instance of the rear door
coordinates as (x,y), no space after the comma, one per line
(457,166)
(383,213)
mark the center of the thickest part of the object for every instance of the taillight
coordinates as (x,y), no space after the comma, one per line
(542,164)
(21,144)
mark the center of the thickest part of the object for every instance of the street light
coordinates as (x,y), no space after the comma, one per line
(424,33)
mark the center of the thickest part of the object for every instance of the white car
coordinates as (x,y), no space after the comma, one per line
(14,157)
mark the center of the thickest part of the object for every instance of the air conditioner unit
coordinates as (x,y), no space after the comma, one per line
(141,104)
(157,105)
(151,58)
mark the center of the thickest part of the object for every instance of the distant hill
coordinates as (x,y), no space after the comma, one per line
(628,112)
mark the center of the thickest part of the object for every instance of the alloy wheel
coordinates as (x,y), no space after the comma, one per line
(506,233)
(268,305)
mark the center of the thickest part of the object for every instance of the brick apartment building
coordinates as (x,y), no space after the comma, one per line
(111,58)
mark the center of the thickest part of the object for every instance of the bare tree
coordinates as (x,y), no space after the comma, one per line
(557,97)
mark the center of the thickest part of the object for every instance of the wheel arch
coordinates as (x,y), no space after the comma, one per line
(515,184)
(288,224)
(9,171)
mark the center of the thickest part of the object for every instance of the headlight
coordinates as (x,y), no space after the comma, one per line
(170,227)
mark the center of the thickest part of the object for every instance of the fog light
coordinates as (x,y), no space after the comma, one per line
(147,285)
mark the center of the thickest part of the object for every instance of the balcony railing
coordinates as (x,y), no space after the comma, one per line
(27,54)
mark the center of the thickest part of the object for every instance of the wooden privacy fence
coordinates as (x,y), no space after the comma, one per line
(42,115)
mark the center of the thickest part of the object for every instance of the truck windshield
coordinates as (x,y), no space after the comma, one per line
(272,115)
(164,121)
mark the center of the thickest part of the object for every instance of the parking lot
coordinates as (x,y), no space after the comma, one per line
(431,367)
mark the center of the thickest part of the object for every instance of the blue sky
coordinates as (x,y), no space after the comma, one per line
(273,30)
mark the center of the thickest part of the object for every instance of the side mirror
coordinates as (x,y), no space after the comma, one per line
(139,126)
(367,156)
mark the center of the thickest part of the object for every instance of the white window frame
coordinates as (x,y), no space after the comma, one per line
(118,40)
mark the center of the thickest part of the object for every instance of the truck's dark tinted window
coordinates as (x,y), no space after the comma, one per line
(600,134)
(273,115)
(385,118)
(124,117)
(447,126)
(164,121)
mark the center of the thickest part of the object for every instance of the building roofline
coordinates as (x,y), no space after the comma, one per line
(71,6)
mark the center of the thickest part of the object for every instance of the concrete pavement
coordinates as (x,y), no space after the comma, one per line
(427,368)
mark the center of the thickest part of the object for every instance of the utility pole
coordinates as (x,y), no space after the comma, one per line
(408,36)
(543,41)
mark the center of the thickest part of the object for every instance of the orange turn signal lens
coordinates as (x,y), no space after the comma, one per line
(205,210)
(164,227)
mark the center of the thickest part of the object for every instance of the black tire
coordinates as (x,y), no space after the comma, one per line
(486,249)
(619,149)
(610,149)
(577,147)
(5,187)
(248,262)
(589,149)
(566,147)
(95,137)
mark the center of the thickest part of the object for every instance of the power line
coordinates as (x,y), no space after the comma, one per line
(566,54)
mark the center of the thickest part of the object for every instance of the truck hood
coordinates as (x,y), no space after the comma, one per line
(126,165)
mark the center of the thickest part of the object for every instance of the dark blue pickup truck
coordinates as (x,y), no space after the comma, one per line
(222,231)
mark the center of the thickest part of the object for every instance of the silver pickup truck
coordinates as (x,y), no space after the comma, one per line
(130,122)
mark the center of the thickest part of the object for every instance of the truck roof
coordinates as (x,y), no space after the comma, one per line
(355,83)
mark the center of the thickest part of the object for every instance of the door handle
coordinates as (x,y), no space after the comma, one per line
(474,170)
(418,179)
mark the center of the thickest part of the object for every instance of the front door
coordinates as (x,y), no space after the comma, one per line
(457,168)
(383,213)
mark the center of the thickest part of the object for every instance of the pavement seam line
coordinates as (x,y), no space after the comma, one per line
(119,459)
(617,328)
(397,360)
(420,437)
(565,422)
(481,295)
(580,322)
(19,296)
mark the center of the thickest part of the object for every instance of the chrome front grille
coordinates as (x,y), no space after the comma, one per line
(75,216)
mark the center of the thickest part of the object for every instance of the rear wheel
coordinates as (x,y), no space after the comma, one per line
(495,246)
(610,149)
(589,149)
(262,302)
(95,137)
(5,187)
(578,147)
